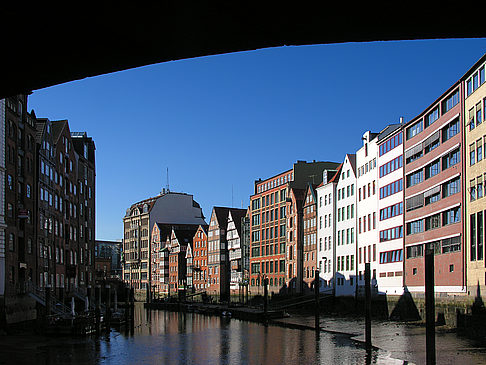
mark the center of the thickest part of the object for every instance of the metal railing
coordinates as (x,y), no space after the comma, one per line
(39,295)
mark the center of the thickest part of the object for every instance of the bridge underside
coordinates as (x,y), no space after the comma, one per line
(44,45)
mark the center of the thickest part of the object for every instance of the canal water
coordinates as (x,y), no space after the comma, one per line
(161,337)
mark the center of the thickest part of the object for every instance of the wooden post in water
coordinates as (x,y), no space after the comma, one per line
(265,297)
(316,297)
(368,306)
(132,308)
(429,305)
(115,308)
(108,306)
(97,308)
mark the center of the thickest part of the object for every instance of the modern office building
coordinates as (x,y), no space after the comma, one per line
(433,200)
(367,208)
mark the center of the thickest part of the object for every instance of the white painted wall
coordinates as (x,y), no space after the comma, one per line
(346,276)
(326,248)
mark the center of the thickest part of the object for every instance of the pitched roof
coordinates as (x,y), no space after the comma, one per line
(39,129)
(222,214)
(184,236)
(57,126)
(336,175)
(389,129)
(237,215)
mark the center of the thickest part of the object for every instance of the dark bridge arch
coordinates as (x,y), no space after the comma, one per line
(46,45)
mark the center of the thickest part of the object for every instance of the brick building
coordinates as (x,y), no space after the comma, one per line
(200,259)
(433,200)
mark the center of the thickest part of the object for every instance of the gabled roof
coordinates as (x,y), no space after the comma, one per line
(184,236)
(57,127)
(237,215)
(312,189)
(352,161)
(222,215)
(336,175)
(39,129)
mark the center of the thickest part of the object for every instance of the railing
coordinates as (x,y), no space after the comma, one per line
(39,295)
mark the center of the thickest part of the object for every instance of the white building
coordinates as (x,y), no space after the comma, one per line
(367,208)
(390,205)
(326,231)
(346,228)
(233,237)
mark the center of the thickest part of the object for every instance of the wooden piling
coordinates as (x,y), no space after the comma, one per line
(317,307)
(429,305)
(368,306)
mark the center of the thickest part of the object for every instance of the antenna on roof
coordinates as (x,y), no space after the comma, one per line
(167,187)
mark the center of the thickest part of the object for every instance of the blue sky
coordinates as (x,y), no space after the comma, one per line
(220,122)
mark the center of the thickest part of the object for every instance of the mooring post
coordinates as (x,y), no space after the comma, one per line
(368,306)
(89,295)
(316,297)
(108,306)
(265,297)
(127,305)
(116,300)
(48,300)
(97,308)
(132,307)
(429,305)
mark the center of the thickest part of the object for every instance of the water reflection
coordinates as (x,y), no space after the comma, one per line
(160,337)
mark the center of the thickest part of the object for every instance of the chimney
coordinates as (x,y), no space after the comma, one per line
(401,120)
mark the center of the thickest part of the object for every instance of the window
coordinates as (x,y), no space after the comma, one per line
(432,169)
(415,227)
(472,190)
(479,150)
(391,189)
(451,216)
(415,251)
(479,114)
(451,159)
(450,130)
(391,256)
(450,102)
(431,117)
(415,178)
(391,211)
(472,232)
(471,119)
(451,187)
(451,245)
(391,166)
(391,144)
(432,222)
(391,234)
(414,129)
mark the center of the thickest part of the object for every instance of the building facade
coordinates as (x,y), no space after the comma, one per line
(391,212)
(169,209)
(309,247)
(433,198)
(235,249)
(346,229)
(200,260)
(475,175)
(326,233)
(367,208)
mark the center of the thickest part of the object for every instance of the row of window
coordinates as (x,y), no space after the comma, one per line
(446,105)
(447,160)
(369,223)
(391,211)
(475,81)
(476,115)
(476,236)
(345,263)
(391,166)
(391,234)
(391,144)
(391,256)
(275,182)
(371,190)
(392,188)
(476,151)
(345,192)
(367,167)
(446,245)
(348,239)
(476,188)
(345,213)
(327,200)
(438,220)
